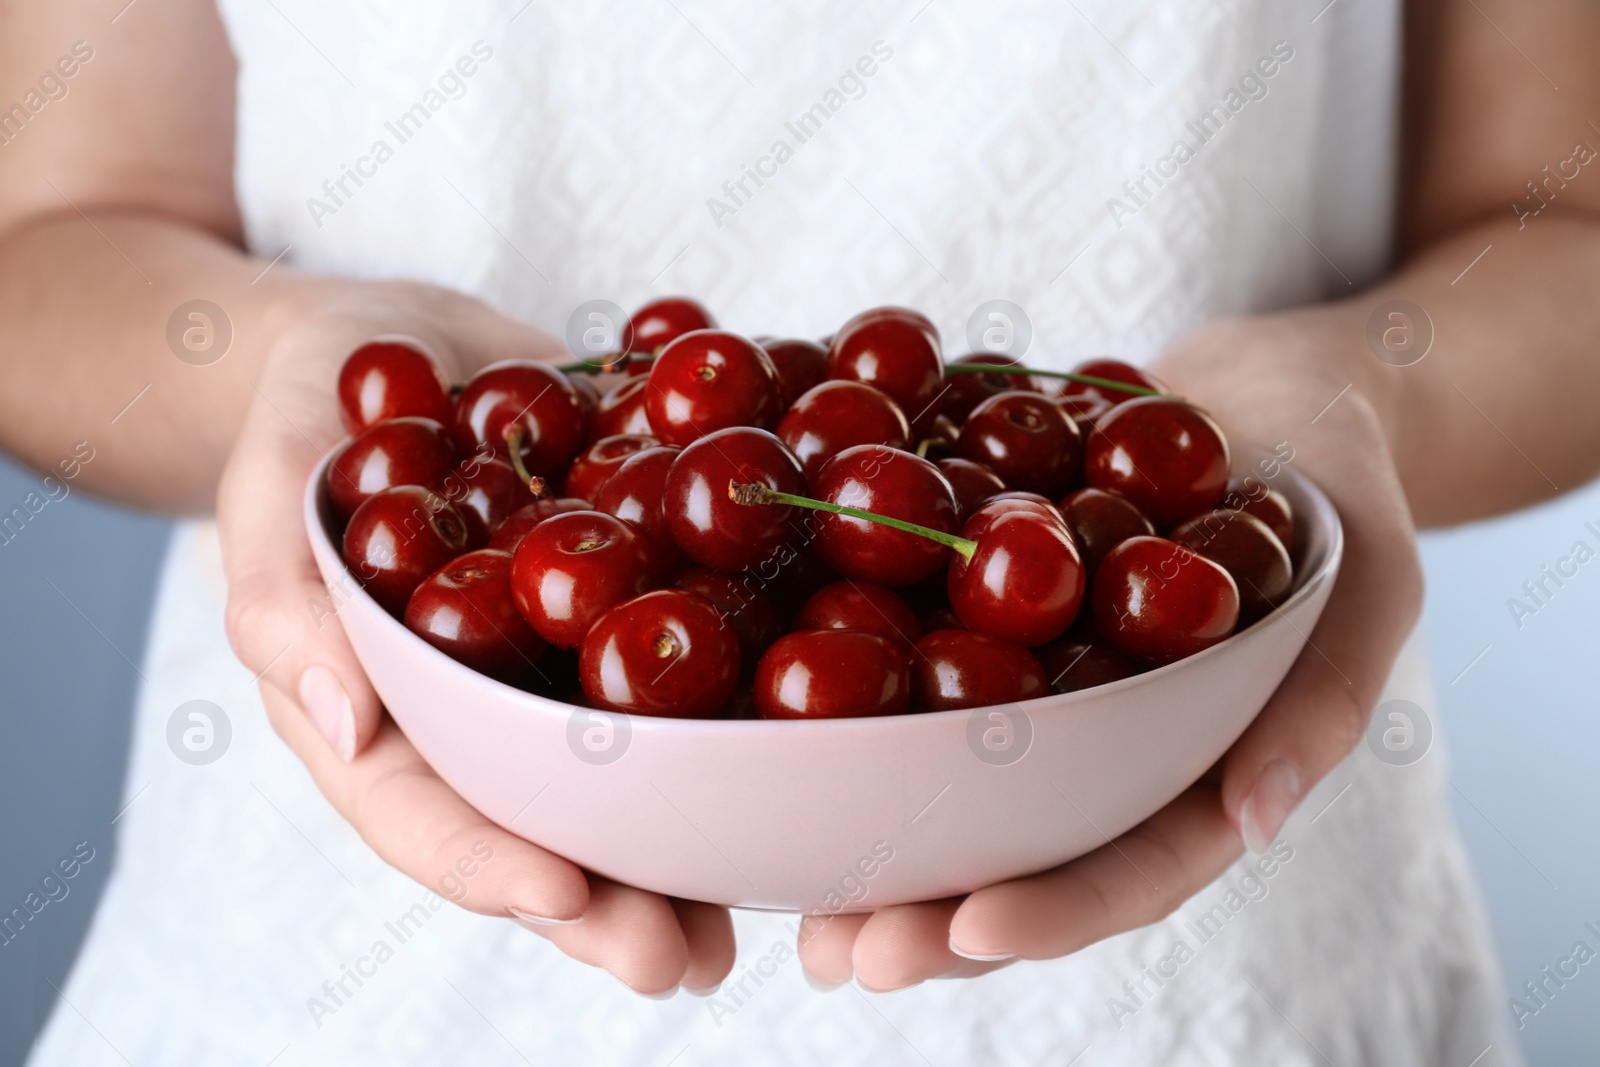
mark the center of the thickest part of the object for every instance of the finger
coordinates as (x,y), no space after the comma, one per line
(1138,879)
(826,943)
(708,931)
(421,827)
(1319,713)
(633,934)
(903,946)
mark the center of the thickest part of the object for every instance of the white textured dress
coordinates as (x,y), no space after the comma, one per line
(1121,170)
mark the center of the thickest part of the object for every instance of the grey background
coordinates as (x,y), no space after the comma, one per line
(1519,728)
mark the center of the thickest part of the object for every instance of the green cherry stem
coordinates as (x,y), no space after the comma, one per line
(513,439)
(1082,379)
(614,362)
(752,493)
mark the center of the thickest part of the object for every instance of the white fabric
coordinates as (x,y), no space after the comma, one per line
(977,164)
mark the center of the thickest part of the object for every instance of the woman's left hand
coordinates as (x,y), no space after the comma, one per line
(1268,379)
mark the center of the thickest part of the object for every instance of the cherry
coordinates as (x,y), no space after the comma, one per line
(1265,503)
(588,393)
(570,569)
(465,610)
(487,492)
(713,530)
(600,461)
(963,392)
(621,411)
(895,353)
(525,411)
(1100,520)
(401,451)
(800,365)
(1249,551)
(1164,454)
(635,493)
(509,534)
(1112,370)
(1023,582)
(838,415)
(886,311)
(660,322)
(1074,663)
(750,612)
(833,674)
(861,606)
(710,380)
(1016,500)
(664,653)
(1159,602)
(1026,439)
(956,669)
(397,538)
(389,380)
(973,483)
(886,482)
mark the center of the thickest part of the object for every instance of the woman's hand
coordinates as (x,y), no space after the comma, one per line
(1267,380)
(318,697)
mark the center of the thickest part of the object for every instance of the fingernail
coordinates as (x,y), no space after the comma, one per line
(665,994)
(702,992)
(329,707)
(981,959)
(820,986)
(897,989)
(540,920)
(1271,800)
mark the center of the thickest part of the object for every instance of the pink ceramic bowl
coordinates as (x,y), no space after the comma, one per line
(843,815)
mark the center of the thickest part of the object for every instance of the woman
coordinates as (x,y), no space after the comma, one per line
(536,156)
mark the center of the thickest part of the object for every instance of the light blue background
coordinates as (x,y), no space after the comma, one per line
(1521,727)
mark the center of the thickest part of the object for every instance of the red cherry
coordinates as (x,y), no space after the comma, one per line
(1113,370)
(660,322)
(832,674)
(965,391)
(887,482)
(800,365)
(389,380)
(508,535)
(1016,500)
(973,482)
(861,606)
(712,529)
(1100,520)
(531,403)
(1159,602)
(710,380)
(1165,455)
(1265,503)
(897,355)
(397,538)
(838,415)
(402,451)
(1249,551)
(1024,580)
(600,461)
(465,610)
(487,492)
(886,311)
(1026,439)
(621,411)
(1073,663)
(956,669)
(664,653)
(742,605)
(572,568)
(588,394)
(635,493)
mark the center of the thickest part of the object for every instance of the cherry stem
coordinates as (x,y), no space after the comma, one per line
(512,435)
(751,493)
(1082,379)
(614,362)
(929,442)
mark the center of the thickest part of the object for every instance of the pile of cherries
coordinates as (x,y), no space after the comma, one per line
(776,528)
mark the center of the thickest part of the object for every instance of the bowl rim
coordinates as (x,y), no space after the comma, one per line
(1306,587)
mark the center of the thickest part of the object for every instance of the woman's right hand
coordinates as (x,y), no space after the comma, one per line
(315,691)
